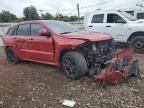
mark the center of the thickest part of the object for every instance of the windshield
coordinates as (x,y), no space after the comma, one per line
(60,26)
(128,16)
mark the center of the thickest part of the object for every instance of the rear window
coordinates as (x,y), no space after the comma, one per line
(11,31)
(23,29)
(98,18)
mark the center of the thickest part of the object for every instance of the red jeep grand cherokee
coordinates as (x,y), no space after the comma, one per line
(58,43)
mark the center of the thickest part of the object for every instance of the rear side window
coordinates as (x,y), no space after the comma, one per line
(35,28)
(23,29)
(11,31)
(98,18)
(140,15)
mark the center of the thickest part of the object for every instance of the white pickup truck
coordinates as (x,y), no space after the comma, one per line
(123,27)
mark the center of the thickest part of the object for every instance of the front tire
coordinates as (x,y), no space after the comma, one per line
(74,65)
(11,56)
(138,44)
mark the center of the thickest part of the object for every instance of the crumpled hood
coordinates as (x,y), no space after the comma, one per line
(91,36)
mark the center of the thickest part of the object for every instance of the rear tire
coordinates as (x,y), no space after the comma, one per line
(74,65)
(138,44)
(11,56)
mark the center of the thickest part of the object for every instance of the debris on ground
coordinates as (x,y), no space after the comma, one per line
(1,103)
(34,85)
(68,103)
(142,76)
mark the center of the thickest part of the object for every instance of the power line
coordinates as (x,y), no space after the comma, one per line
(97,4)
(93,5)
(62,10)
(79,7)
(126,5)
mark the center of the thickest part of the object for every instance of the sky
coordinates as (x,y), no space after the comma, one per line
(66,7)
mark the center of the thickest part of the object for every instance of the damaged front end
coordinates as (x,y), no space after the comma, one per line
(105,65)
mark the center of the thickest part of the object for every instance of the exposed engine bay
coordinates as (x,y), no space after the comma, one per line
(97,54)
(105,65)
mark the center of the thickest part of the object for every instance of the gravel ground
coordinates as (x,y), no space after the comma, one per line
(32,85)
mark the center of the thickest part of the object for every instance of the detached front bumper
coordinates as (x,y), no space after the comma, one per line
(121,67)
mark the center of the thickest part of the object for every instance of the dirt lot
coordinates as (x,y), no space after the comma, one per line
(32,85)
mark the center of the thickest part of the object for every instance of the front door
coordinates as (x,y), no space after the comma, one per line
(116,26)
(40,48)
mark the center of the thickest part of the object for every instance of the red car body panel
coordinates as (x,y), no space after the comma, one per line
(48,49)
(110,74)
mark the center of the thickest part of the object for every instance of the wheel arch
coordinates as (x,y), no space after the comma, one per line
(7,47)
(139,33)
(63,52)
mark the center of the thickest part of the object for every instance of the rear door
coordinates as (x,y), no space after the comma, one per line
(96,24)
(22,34)
(40,48)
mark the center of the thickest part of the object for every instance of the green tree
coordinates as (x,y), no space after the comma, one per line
(73,18)
(47,16)
(30,13)
(6,16)
(59,17)
(66,18)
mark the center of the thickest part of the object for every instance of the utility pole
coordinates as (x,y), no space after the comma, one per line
(41,11)
(57,14)
(78,12)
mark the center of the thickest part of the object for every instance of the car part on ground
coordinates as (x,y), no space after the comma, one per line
(121,67)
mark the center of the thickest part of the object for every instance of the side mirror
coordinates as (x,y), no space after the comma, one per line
(44,32)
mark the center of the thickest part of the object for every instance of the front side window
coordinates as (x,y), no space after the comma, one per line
(23,29)
(11,31)
(35,29)
(98,18)
(114,18)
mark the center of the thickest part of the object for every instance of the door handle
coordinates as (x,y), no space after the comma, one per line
(14,38)
(90,26)
(108,26)
(31,39)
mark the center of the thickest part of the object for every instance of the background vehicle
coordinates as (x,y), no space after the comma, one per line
(123,27)
(137,12)
(58,43)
